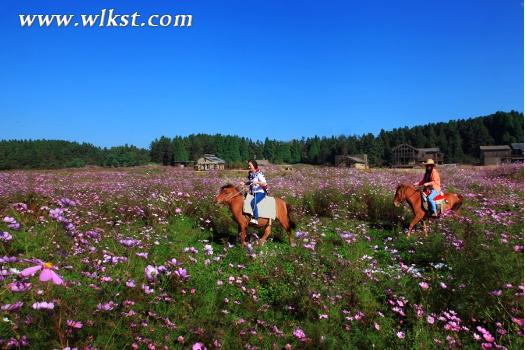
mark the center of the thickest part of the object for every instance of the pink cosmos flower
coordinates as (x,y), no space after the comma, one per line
(430,319)
(423,285)
(74,324)
(518,321)
(47,273)
(400,335)
(198,346)
(496,293)
(299,334)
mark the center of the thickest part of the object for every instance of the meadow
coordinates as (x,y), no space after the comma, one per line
(142,258)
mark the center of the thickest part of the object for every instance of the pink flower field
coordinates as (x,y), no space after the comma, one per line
(142,258)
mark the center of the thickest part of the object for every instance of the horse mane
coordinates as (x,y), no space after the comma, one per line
(229,185)
(403,185)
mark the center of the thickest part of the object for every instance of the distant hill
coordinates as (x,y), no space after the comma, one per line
(459,140)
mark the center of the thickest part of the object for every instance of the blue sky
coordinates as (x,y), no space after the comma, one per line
(282,69)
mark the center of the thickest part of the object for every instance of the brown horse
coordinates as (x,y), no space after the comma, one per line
(234,198)
(412,195)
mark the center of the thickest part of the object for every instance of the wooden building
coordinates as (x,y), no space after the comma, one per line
(210,162)
(494,155)
(406,156)
(517,152)
(358,161)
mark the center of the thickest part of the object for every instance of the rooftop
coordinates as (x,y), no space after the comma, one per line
(495,148)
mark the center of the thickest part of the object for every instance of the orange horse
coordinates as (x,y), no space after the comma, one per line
(412,195)
(234,198)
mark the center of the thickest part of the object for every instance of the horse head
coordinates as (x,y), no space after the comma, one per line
(400,194)
(226,193)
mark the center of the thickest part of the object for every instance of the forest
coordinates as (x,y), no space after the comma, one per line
(459,140)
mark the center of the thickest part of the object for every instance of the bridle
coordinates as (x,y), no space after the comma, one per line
(232,196)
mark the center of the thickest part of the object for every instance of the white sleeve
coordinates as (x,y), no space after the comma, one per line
(261,178)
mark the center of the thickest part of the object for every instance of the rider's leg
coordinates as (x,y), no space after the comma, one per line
(431,197)
(258,196)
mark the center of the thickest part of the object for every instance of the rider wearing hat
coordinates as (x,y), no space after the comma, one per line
(257,183)
(432,183)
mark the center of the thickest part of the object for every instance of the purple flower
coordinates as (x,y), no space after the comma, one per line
(400,335)
(348,237)
(106,306)
(66,202)
(300,234)
(147,289)
(43,305)
(208,249)
(19,287)
(11,223)
(130,284)
(182,273)
(5,236)
(129,242)
(191,250)
(151,272)
(12,307)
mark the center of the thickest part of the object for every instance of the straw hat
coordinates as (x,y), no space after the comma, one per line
(430,162)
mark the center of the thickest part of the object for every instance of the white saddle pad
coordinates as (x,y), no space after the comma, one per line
(266,207)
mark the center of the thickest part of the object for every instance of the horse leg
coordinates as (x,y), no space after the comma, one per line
(425,228)
(267,231)
(413,223)
(242,234)
(282,217)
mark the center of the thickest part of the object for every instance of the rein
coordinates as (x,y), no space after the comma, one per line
(407,197)
(232,196)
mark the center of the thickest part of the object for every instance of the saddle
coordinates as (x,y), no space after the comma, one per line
(266,207)
(440,200)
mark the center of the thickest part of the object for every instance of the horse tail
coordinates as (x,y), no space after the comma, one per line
(458,204)
(292,224)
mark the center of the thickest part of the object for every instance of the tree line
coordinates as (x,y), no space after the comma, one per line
(459,140)
(54,154)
